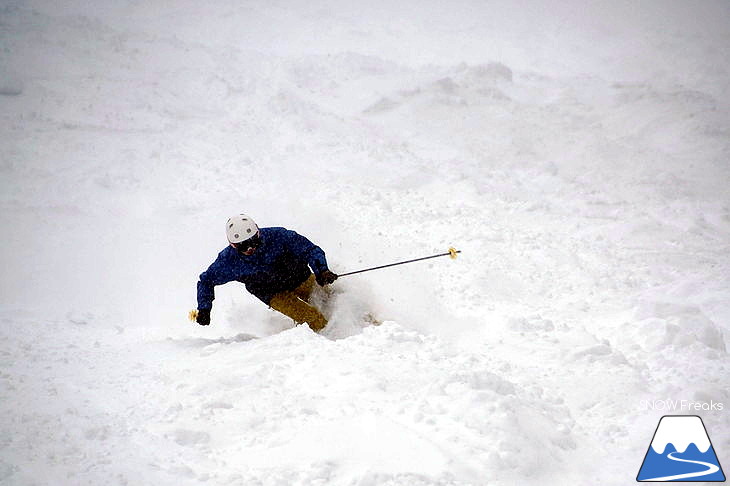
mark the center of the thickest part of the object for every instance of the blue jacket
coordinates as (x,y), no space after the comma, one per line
(282,262)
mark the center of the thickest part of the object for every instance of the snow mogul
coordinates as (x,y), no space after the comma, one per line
(274,264)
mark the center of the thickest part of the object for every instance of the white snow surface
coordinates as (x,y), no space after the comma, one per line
(578,153)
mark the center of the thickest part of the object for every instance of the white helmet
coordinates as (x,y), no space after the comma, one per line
(240,228)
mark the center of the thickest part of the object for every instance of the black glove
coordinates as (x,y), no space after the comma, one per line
(203,317)
(326,278)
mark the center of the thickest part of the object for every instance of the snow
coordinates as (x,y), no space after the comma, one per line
(576,153)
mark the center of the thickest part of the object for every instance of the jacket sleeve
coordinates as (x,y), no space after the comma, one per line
(313,254)
(215,275)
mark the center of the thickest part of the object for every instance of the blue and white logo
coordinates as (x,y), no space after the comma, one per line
(681,451)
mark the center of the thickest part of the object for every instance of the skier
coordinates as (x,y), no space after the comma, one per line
(274,264)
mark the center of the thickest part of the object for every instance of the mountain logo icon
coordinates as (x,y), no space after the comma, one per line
(680,451)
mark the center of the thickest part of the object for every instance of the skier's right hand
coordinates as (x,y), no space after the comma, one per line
(326,277)
(203,317)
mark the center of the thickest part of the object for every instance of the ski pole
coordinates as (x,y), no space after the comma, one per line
(452,253)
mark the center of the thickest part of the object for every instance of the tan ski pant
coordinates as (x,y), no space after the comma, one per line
(295,304)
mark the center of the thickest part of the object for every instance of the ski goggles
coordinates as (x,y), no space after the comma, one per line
(248,246)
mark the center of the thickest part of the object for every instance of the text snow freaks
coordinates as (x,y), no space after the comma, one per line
(681,405)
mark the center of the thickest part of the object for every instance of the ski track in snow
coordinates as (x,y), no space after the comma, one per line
(577,157)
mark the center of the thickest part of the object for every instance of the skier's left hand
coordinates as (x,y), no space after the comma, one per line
(203,317)
(326,278)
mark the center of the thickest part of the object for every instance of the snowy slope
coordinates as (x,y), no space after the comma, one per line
(577,155)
